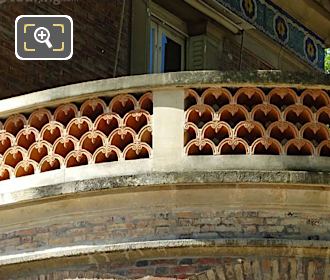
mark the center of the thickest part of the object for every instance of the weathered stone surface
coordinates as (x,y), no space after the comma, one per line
(166,178)
(186,79)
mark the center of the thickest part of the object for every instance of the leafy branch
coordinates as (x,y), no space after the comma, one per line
(327,61)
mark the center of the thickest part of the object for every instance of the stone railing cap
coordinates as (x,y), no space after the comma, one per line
(52,97)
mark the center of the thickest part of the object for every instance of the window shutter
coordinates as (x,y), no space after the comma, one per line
(196,52)
(202,53)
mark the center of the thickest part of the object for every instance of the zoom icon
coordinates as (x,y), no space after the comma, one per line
(44,37)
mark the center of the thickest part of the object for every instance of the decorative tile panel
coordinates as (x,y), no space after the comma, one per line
(281,27)
(98,130)
(252,121)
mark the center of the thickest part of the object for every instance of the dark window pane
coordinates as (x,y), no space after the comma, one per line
(172,56)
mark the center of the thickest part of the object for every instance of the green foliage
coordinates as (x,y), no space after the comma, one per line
(327,61)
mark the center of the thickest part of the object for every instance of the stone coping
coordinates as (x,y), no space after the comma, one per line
(141,173)
(113,86)
(252,163)
(287,248)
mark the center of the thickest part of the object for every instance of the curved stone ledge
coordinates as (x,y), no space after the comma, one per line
(175,211)
(268,247)
(141,174)
(173,259)
(71,229)
(76,92)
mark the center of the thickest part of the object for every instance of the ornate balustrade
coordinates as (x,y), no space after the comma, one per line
(65,136)
(112,120)
(250,120)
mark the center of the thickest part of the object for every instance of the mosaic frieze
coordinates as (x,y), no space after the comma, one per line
(281,27)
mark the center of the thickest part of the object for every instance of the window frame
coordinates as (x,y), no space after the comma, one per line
(158,30)
(162,22)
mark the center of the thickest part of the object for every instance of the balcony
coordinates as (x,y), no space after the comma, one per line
(172,122)
(251,148)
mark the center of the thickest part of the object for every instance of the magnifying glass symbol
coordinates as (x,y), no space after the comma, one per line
(42,35)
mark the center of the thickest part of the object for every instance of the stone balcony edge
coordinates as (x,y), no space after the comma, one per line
(288,247)
(76,92)
(141,174)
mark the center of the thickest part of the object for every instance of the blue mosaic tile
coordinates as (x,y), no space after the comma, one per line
(262,14)
(268,23)
(281,27)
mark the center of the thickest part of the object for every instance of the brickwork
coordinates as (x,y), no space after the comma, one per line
(96,26)
(178,224)
(194,268)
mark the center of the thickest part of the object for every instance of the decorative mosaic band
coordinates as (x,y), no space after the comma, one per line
(284,29)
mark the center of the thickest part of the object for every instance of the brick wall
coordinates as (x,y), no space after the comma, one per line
(194,268)
(176,224)
(96,25)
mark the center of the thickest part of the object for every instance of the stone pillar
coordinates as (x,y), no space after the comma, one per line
(168,132)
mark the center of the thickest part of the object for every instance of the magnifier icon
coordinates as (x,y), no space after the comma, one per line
(42,35)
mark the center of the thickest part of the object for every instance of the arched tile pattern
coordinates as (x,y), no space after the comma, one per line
(95,131)
(250,120)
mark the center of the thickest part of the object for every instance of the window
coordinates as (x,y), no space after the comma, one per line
(162,42)
(167,47)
